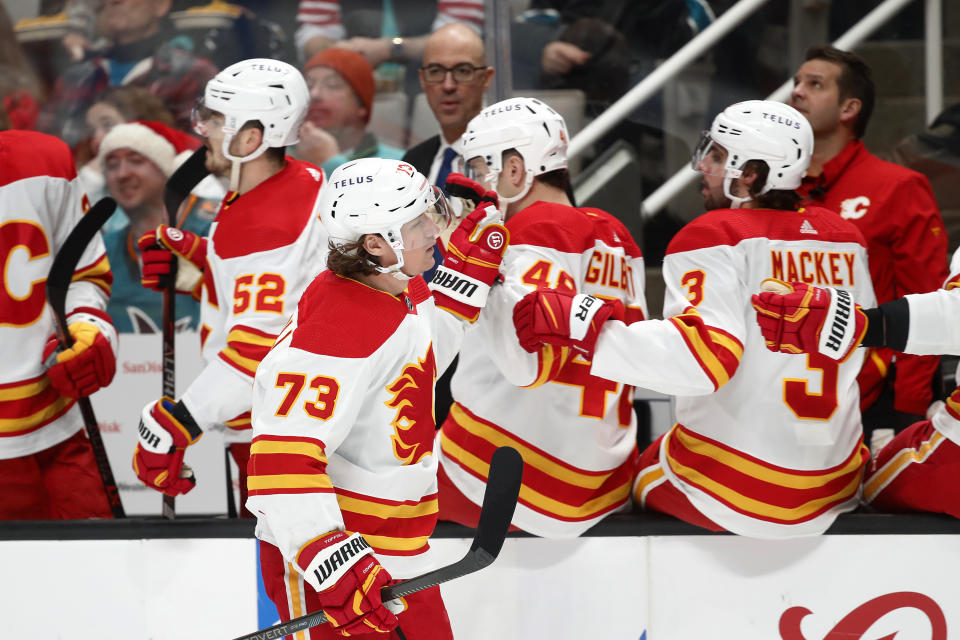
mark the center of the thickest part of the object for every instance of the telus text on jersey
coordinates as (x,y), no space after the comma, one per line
(780,120)
(339,184)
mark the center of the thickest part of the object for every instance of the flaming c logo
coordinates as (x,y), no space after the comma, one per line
(857,622)
(414,427)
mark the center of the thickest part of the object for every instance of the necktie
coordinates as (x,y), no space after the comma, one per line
(445,166)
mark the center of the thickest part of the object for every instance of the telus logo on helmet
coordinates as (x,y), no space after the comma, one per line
(339,184)
(780,120)
(269,67)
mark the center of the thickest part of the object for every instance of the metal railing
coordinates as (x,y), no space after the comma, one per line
(933,53)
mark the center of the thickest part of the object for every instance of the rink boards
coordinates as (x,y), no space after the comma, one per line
(659,584)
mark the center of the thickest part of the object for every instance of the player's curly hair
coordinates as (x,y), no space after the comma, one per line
(350,259)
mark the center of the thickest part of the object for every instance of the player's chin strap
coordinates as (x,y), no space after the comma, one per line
(735,201)
(236,161)
(395,269)
(493,179)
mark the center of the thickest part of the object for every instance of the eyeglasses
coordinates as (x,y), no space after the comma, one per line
(462,73)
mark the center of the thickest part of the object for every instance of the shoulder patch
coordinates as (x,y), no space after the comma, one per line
(270,216)
(343,318)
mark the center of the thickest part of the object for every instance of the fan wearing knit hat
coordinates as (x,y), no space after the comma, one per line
(341,88)
(137,158)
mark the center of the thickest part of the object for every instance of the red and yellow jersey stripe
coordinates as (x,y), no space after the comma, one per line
(399,528)
(717,352)
(756,488)
(97,273)
(550,486)
(286,465)
(27,405)
(246,347)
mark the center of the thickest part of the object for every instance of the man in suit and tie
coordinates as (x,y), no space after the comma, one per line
(454,77)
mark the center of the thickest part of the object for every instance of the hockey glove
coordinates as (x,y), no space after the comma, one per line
(472,263)
(88,365)
(347,576)
(158,249)
(465,194)
(800,318)
(563,318)
(166,430)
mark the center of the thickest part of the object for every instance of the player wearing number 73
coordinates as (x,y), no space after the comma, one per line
(764,446)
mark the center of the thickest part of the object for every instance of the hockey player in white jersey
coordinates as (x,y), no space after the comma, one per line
(576,432)
(343,477)
(766,445)
(917,469)
(47,466)
(264,247)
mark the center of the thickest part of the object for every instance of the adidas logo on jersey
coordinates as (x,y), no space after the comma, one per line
(806,227)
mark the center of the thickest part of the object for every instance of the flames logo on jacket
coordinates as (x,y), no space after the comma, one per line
(414,427)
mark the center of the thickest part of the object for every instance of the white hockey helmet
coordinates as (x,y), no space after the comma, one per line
(379,196)
(765,130)
(531,127)
(270,91)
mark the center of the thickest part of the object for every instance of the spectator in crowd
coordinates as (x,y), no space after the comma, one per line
(341,101)
(892,206)
(765,445)
(382,31)
(20,91)
(114,106)
(47,465)
(137,159)
(143,51)
(454,76)
(600,46)
(576,432)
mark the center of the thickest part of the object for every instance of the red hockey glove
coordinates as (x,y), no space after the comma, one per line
(348,579)
(563,318)
(472,263)
(800,318)
(158,248)
(166,430)
(85,367)
(466,195)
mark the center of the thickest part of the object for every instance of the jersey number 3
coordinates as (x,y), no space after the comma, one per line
(806,404)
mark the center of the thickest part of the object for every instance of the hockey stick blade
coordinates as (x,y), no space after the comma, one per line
(58,282)
(499,502)
(178,187)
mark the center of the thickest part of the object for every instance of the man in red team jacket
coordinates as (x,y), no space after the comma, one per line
(892,206)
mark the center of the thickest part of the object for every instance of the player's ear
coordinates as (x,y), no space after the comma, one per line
(380,249)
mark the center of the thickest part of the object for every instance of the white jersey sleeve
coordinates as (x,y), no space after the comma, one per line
(697,349)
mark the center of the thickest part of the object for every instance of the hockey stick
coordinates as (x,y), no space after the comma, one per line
(499,501)
(178,187)
(58,281)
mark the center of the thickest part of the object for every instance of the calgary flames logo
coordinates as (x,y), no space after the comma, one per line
(414,426)
(857,622)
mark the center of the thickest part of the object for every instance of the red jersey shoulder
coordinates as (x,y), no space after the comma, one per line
(343,318)
(568,229)
(29,154)
(729,227)
(271,215)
